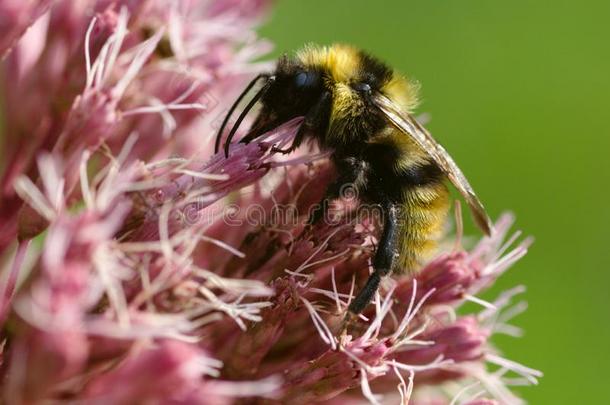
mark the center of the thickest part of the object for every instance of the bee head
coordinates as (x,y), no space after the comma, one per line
(291,92)
(342,76)
(332,87)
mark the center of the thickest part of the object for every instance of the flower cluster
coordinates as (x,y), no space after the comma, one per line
(139,266)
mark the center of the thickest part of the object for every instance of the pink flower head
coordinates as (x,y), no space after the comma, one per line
(145,268)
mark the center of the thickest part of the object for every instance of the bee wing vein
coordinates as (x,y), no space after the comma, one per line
(409,125)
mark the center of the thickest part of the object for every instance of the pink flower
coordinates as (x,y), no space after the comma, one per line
(17,17)
(144,268)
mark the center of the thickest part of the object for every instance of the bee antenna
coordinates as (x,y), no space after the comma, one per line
(245,112)
(234,106)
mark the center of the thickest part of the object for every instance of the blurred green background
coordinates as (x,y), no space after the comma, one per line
(518,93)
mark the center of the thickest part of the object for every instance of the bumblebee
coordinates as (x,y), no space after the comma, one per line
(360,109)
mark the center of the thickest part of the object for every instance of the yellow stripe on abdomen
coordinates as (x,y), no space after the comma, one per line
(424,214)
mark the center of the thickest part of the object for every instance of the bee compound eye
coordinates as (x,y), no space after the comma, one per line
(305,79)
(362,87)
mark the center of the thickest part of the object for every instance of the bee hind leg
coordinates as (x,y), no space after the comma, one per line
(384,261)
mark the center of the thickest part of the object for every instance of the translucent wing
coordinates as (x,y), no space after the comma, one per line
(424,139)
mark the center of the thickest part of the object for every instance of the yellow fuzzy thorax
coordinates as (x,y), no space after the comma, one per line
(340,61)
(344,66)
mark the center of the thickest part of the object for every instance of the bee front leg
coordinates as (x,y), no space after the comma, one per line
(311,123)
(384,261)
(296,142)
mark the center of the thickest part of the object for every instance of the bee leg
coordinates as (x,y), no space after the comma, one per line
(345,324)
(320,210)
(311,122)
(349,170)
(384,260)
(296,141)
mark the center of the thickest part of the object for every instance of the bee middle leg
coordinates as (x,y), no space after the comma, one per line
(319,211)
(350,170)
(384,261)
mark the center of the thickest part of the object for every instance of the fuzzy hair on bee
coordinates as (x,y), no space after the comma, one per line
(360,109)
